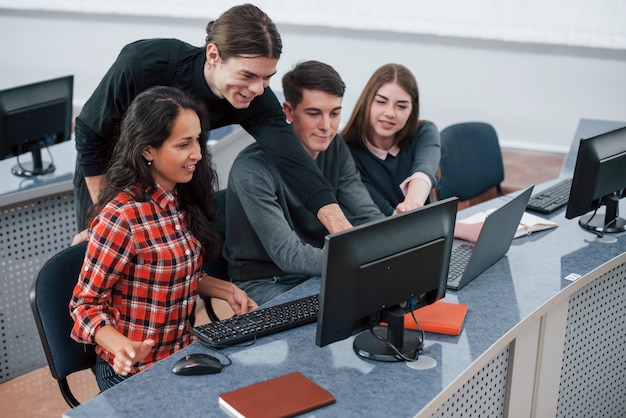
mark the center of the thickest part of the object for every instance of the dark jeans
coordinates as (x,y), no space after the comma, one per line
(106,376)
(263,290)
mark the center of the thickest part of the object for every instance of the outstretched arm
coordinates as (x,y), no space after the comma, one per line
(417,192)
(221,289)
(333,218)
(296,167)
(425,149)
(467,232)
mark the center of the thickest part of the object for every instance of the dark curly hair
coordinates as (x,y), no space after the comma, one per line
(148,122)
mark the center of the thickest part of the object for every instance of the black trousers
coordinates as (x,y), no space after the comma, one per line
(82,199)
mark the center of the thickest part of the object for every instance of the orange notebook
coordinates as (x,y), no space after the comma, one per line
(283,396)
(439,317)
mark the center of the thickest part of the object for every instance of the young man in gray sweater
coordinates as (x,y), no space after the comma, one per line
(273,242)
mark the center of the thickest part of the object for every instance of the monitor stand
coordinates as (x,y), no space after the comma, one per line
(367,345)
(37,168)
(609,223)
(30,170)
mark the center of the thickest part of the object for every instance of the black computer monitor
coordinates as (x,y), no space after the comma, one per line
(599,180)
(33,116)
(371,270)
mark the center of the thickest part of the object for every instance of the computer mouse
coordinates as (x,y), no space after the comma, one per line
(196,364)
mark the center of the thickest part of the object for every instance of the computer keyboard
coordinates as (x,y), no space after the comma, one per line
(552,198)
(257,323)
(458,260)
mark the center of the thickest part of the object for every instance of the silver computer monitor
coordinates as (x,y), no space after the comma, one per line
(586,129)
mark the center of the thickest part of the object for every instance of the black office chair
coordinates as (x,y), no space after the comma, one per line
(50,295)
(471,161)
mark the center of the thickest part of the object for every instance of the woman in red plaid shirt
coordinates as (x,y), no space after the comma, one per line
(152,227)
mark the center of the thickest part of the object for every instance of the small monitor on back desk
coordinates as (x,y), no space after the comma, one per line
(599,180)
(371,270)
(32,117)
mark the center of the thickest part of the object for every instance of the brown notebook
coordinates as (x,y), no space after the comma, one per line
(283,396)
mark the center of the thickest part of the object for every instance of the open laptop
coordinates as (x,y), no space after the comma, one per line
(469,260)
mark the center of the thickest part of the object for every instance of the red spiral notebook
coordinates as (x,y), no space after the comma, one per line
(283,396)
(439,317)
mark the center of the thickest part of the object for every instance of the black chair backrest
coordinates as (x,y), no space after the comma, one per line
(471,161)
(50,295)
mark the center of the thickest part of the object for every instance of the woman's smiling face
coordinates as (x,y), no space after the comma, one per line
(389,112)
(175,161)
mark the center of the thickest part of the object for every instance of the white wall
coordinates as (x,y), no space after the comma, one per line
(534,94)
(591,23)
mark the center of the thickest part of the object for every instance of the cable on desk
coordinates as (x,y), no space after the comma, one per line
(388,343)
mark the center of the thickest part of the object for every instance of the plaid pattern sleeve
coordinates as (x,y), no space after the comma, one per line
(140,275)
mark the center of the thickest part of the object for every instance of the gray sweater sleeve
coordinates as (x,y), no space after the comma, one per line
(425,150)
(260,232)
